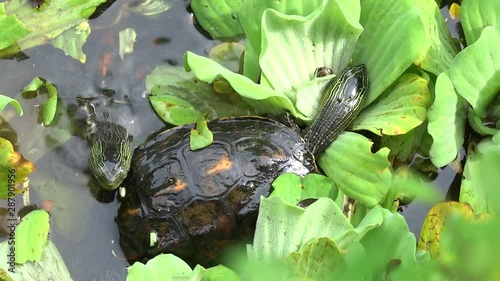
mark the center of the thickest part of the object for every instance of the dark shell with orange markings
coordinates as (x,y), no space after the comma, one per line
(199,202)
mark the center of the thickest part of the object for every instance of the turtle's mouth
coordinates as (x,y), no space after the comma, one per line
(109,174)
(110,180)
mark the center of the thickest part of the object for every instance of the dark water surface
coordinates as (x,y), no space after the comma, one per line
(82,228)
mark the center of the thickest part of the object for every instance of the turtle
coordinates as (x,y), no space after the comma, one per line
(195,204)
(108,139)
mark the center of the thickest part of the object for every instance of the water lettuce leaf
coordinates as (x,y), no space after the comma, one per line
(318,259)
(283,228)
(439,52)
(357,172)
(291,36)
(479,126)
(50,22)
(171,88)
(446,122)
(50,267)
(263,98)
(478,14)
(400,109)
(71,41)
(162,267)
(461,239)
(480,175)
(291,188)
(173,110)
(11,29)
(436,222)
(5,100)
(404,147)
(391,241)
(251,21)
(475,72)
(407,185)
(31,236)
(219,18)
(218,273)
(14,169)
(392,39)
(228,54)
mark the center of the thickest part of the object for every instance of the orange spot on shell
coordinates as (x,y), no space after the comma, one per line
(222,165)
(180,185)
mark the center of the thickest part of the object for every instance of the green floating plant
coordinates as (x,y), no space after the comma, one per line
(5,100)
(473,76)
(180,98)
(446,122)
(480,176)
(60,22)
(220,18)
(49,107)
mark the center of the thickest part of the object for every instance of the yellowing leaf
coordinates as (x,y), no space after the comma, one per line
(455,11)
(435,224)
(14,169)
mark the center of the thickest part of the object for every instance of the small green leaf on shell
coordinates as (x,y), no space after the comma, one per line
(201,136)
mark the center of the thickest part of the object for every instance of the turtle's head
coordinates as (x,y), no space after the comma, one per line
(110,157)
